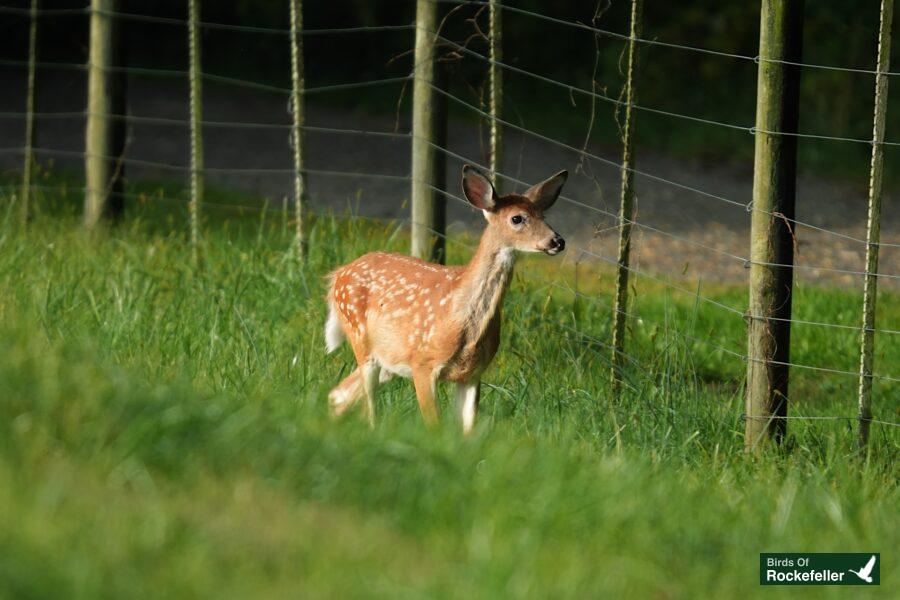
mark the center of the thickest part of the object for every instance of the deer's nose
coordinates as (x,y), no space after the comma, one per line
(558,243)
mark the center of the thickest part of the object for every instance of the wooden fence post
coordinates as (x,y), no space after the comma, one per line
(771,236)
(29,113)
(626,204)
(495,77)
(196,106)
(298,109)
(873,233)
(429,118)
(104,136)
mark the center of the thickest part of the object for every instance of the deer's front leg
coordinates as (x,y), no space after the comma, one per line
(467,396)
(424,382)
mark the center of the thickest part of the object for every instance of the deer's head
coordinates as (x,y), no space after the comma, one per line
(517,220)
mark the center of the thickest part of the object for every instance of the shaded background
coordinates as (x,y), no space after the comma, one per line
(714,159)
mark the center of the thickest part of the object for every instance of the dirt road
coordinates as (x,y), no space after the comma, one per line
(705,234)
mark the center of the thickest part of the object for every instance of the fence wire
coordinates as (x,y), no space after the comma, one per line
(609,260)
(463,49)
(653,42)
(618,166)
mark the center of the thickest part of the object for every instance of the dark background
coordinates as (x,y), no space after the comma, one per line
(713,87)
(697,176)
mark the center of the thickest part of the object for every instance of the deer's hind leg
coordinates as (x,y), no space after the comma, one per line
(371,373)
(345,394)
(361,383)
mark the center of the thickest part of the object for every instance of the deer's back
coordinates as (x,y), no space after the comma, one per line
(397,307)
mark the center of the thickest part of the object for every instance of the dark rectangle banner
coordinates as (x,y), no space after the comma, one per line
(820,568)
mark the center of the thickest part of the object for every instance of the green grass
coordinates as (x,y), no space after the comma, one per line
(163,433)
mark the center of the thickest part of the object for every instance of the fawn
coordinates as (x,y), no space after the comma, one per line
(429,322)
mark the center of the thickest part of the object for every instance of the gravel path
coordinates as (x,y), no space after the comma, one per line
(708,230)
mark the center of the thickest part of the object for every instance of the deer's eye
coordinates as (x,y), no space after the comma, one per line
(517,219)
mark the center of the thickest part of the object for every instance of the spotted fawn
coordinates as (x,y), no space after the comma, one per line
(408,317)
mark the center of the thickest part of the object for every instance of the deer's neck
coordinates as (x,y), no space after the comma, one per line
(482,286)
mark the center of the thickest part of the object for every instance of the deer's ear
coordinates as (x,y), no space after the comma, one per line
(545,193)
(478,189)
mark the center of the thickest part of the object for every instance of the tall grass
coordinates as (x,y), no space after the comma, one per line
(163,432)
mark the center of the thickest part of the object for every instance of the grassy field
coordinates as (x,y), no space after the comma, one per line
(163,432)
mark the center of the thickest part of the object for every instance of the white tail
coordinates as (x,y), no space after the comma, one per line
(334,335)
(404,316)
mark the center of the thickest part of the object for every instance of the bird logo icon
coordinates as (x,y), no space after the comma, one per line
(866,572)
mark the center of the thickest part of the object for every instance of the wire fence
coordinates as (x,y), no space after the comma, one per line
(476,111)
